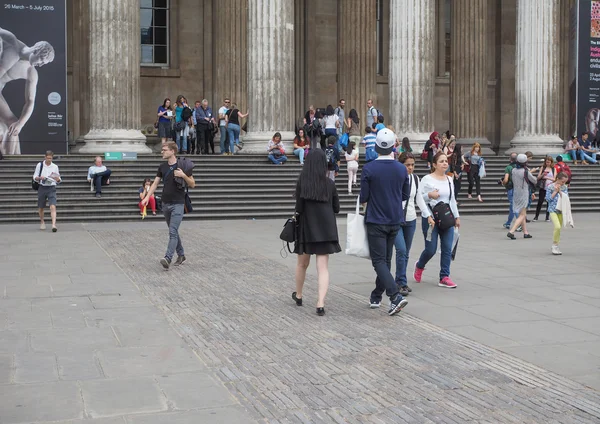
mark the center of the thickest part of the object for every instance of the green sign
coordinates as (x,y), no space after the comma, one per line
(113,156)
(120,156)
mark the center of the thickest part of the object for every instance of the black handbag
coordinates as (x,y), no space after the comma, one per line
(187,207)
(289,234)
(34,184)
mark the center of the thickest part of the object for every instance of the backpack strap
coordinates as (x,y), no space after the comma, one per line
(450,187)
(409,190)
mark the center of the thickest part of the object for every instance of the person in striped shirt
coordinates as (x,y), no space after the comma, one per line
(369,142)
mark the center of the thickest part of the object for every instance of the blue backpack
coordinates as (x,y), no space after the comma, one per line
(370,154)
(344,140)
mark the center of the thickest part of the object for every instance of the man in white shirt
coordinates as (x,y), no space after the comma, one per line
(371,113)
(339,111)
(47,176)
(98,174)
(222,126)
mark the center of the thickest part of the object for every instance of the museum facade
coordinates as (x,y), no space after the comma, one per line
(494,71)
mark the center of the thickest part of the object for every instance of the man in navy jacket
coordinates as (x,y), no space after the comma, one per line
(384,186)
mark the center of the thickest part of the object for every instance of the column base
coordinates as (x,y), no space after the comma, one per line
(257,142)
(537,144)
(102,141)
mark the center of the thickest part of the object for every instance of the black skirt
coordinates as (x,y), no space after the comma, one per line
(320,248)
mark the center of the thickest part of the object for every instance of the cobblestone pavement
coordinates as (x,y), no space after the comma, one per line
(355,365)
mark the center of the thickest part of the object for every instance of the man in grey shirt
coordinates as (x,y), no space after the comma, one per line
(371,113)
(339,111)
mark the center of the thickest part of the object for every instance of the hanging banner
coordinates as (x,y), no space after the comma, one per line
(33,77)
(588,67)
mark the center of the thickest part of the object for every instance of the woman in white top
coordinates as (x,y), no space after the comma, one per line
(352,162)
(435,188)
(406,234)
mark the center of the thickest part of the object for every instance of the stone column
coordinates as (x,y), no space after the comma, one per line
(270,73)
(357,66)
(537,78)
(231,55)
(412,69)
(114,77)
(468,71)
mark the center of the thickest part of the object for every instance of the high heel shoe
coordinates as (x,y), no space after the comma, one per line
(297,299)
(320,311)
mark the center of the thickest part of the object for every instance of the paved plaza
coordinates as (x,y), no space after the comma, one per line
(93,330)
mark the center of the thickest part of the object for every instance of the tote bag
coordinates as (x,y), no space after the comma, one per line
(482,173)
(357,243)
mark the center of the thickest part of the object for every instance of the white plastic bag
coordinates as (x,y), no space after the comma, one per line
(357,243)
(482,173)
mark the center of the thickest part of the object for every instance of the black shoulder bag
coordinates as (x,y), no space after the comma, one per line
(289,234)
(34,184)
(442,213)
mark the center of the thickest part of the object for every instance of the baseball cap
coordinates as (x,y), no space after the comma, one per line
(384,143)
(521,158)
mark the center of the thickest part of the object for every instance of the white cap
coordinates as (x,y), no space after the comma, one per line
(521,158)
(385,141)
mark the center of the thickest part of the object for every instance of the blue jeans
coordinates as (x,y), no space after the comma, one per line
(381,246)
(277,161)
(300,154)
(446,238)
(511,213)
(181,139)
(584,156)
(403,244)
(99,179)
(223,138)
(233,130)
(573,154)
(174,215)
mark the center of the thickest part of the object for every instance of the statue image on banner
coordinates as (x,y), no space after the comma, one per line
(19,61)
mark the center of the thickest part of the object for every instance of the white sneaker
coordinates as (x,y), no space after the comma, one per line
(42,226)
(555,250)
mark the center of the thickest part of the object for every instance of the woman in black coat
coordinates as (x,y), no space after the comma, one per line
(317,202)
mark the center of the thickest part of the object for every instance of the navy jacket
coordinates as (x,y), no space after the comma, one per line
(384,185)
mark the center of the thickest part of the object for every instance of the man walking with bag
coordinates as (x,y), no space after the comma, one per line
(175,183)
(384,187)
(47,175)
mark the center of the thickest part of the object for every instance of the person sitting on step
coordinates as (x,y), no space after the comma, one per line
(143,192)
(98,175)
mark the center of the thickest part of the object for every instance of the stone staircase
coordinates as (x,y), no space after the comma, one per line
(228,187)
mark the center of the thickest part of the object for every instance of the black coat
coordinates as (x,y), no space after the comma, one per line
(317,221)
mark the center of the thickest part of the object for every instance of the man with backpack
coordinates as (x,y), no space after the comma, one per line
(333,158)
(508,185)
(563,167)
(372,113)
(339,111)
(177,177)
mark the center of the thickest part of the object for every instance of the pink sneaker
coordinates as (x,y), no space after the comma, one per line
(418,273)
(448,283)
